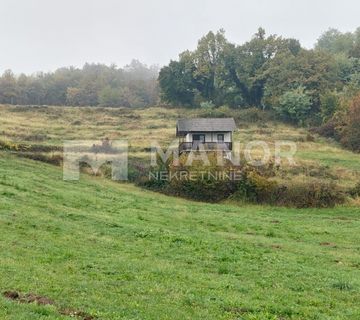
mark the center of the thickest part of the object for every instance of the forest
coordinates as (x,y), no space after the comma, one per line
(135,85)
(266,72)
(317,87)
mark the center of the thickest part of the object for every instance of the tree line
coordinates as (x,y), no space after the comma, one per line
(135,85)
(314,87)
(301,85)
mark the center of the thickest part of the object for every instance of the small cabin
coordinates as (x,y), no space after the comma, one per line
(205,134)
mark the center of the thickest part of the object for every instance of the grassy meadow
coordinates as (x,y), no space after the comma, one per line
(49,126)
(114,251)
(118,252)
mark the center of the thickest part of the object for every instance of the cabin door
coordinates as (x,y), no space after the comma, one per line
(198,139)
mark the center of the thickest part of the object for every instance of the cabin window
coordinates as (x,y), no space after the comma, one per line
(220,137)
(199,138)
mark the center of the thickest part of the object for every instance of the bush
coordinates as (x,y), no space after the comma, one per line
(208,189)
(355,192)
(329,103)
(207,105)
(344,126)
(327,130)
(201,182)
(294,106)
(310,138)
(255,188)
(252,184)
(250,115)
(310,195)
(221,112)
(350,134)
(253,115)
(54,159)
(9,146)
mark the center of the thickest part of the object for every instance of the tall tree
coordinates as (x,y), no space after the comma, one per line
(8,87)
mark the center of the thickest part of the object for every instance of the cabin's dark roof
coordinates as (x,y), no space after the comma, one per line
(184,126)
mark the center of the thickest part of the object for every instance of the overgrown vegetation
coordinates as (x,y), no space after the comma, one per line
(243,183)
(344,125)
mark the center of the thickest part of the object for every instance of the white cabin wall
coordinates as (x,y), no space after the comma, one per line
(227,137)
(188,137)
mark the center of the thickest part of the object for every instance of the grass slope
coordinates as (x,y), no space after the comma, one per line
(50,126)
(119,252)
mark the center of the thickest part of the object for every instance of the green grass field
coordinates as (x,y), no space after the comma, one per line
(115,251)
(118,252)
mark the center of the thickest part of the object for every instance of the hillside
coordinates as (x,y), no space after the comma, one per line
(43,130)
(149,173)
(117,252)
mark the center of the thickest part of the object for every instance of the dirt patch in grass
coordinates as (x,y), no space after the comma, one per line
(31,297)
(343,218)
(41,300)
(12,295)
(328,244)
(28,298)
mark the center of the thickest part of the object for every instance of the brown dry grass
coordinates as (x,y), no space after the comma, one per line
(321,158)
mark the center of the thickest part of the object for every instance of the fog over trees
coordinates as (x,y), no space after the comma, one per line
(135,85)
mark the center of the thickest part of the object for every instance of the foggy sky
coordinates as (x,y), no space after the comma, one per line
(46,34)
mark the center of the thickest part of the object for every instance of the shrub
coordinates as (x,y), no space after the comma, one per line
(258,189)
(329,103)
(327,130)
(54,159)
(10,146)
(139,172)
(202,182)
(255,188)
(311,195)
(266,190)
(252,185)
(207,189)
(344,126)
(310,138)
(208,105)
(350,135)
(249,115)
(355,192)
(212,112)
(294,106)
(253,115)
